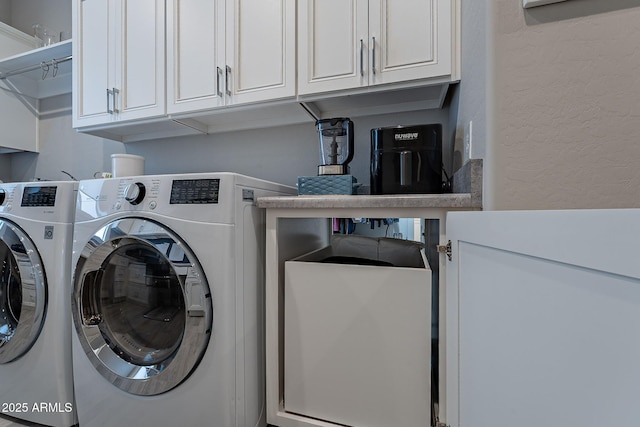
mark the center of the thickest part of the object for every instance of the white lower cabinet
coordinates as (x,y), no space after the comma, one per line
(542,310)
(537,313)
(346,344)
(356,349)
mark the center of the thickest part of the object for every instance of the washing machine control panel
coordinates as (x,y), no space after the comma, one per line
(134,193)
(195,191)
(212,197)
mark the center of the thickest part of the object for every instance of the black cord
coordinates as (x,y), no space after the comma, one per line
(447,185)
(70,176)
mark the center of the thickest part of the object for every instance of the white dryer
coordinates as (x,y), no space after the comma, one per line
(168,300)
(36,226)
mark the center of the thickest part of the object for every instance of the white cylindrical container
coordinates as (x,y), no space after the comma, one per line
(126,165)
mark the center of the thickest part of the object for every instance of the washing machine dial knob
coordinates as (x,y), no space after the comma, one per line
(134,193)
(3,195)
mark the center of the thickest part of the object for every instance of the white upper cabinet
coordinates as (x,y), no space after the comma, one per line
(359,43)
(260,49)
(261,56)
(229,52)
(333,36)
(18,114)
(195,55)
(119,61)
(409,40)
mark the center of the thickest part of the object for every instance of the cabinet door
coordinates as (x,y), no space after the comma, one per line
(140,62)
(119,66)
(409,40)
(195,55)
(91,66)
(18,114)
(260,50)
(332,45)
(542,313)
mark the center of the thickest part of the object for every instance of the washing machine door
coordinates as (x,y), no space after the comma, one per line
(141,306)
(23,292)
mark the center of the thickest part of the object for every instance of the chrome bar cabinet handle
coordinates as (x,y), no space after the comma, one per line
(227,77)
(115,93)
(361,58)
(109,93)
(218,74)
(373,55)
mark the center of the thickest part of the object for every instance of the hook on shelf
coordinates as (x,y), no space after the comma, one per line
(45,69)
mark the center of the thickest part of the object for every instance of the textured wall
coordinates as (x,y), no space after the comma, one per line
(567,105)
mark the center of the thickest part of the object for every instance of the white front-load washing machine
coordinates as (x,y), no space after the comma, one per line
(36,226)
(168,300)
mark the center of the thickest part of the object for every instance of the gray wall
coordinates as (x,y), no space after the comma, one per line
(62,148)
(5,11)
(474,93)
(562,102)
(23,14)
(5,167)
(278,154)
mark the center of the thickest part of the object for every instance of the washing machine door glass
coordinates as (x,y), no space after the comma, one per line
(141,306)
(23,292)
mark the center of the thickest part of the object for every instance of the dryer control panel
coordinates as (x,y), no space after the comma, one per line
(39,196)
(52,201)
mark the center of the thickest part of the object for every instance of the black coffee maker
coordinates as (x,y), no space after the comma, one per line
(407,160)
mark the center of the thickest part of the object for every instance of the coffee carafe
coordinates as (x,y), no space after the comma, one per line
(336,145)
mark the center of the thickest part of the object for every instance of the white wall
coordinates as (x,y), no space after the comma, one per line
(563,105)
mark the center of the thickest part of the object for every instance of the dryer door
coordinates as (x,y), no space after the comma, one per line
(23,292)
(141,306)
